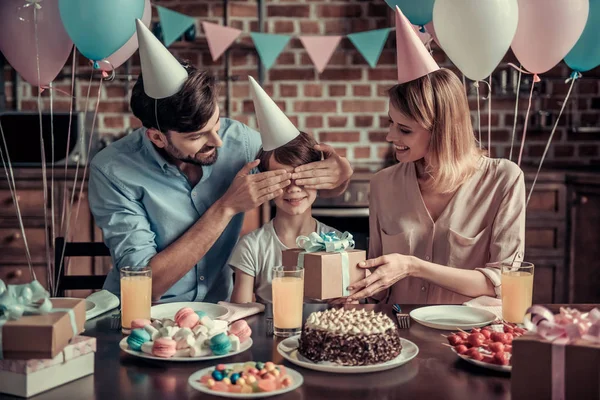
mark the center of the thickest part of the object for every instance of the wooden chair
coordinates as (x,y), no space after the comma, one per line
(77,249)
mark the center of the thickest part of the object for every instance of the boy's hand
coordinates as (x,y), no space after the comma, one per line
(329,173)
(247,192)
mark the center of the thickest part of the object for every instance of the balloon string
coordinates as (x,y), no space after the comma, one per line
(562,108)
(476,84)
(15,198)
(52,214)
(525,124)
(512,140)
(43,156)
(536,78)
(64,206)
(82,183)
(490,118)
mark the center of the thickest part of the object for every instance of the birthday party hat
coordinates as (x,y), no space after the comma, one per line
(163,74)
(275,128)
(414,61)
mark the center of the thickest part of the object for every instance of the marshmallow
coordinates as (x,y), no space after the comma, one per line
(235,342)
(157,323)
(152,331)
(168,322)
(183,333)
(186,342)
(168,331)
(147,347)
(206,321)
(198,351)
(218,327)
(200,330)
(182,353)
(202,341)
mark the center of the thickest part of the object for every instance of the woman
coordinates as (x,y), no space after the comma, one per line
(445,210)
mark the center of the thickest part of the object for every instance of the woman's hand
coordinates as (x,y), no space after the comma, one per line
(389,269)
(330,173)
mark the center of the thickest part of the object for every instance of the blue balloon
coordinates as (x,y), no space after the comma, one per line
(100,27)
(418,12)
(585,55)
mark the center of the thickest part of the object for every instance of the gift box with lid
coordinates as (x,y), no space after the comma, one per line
(33,326)
(27,378)
(559,358)
(330,264)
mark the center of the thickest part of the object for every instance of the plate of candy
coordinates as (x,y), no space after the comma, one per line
(189,336)
(246,380)
(488,347)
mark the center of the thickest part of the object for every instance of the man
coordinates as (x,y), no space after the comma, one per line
(172,194)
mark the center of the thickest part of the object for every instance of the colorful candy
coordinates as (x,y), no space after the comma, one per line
(246,378)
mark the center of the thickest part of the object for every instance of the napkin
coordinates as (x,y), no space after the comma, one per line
(239,311)
(103,301)
(488,303)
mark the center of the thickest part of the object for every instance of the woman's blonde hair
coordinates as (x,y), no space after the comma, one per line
(439,104)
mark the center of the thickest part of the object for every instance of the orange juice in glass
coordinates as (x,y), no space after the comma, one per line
(517,290)
(136,295)
(288,295)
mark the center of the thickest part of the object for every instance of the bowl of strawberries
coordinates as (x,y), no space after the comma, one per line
(488,347)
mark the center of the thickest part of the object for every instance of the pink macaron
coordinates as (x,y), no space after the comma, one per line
(241,330)
(164,347)
(140,323)
(186,318)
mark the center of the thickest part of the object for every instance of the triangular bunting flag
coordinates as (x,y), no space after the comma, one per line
(269,46)
(173,24)
(370,44)
(219,38)
(320,49)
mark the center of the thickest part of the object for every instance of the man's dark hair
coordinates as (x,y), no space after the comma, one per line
(299,151)
(189,110)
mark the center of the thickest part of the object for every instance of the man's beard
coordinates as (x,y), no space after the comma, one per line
(176,154)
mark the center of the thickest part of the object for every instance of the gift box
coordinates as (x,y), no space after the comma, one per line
(27,378)
(43,336)
(323,271)
(559,358)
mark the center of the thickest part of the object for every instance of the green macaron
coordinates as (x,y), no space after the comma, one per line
(220,344)
(137,338)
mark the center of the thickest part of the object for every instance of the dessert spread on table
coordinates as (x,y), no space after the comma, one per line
(250,377)
(190,334)
(350,337)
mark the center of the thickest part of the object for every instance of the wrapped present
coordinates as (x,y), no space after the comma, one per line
(27,378)
(33,326)
(559,358)
(330,264)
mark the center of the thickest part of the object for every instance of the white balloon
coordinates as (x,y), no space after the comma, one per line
(475,34)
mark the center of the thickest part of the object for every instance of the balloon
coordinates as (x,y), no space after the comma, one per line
(586,53)
(126,51)
(100,27)
(475,34)
(418,12)
(547,31)
(18,44)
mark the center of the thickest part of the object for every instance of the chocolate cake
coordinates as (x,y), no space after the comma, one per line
(349,337)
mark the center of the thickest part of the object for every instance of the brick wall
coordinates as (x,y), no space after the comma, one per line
(346,104)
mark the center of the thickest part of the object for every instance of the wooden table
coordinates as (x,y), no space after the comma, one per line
(436,373)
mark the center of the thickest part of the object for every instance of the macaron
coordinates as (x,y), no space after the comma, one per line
(241,330)
(220,344)
(201,314)
(186,318)
(140,323)
(164,347)
(137,338)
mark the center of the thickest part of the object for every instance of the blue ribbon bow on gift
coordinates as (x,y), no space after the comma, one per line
(330,243)
(27,299)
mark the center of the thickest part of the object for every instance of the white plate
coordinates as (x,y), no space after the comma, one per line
(125,347)
(288,349)
(494,367)
(452,317)
(168,310)
(193,381)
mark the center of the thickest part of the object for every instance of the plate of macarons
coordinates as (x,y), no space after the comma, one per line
(188,336)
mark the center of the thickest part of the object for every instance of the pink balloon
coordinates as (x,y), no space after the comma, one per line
(18,39)
(547,31)
(126,51)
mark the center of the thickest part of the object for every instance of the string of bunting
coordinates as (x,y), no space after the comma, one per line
(269,46)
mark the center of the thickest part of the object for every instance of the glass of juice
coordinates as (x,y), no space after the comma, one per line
(288,295)
(517,290)
(136,295)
